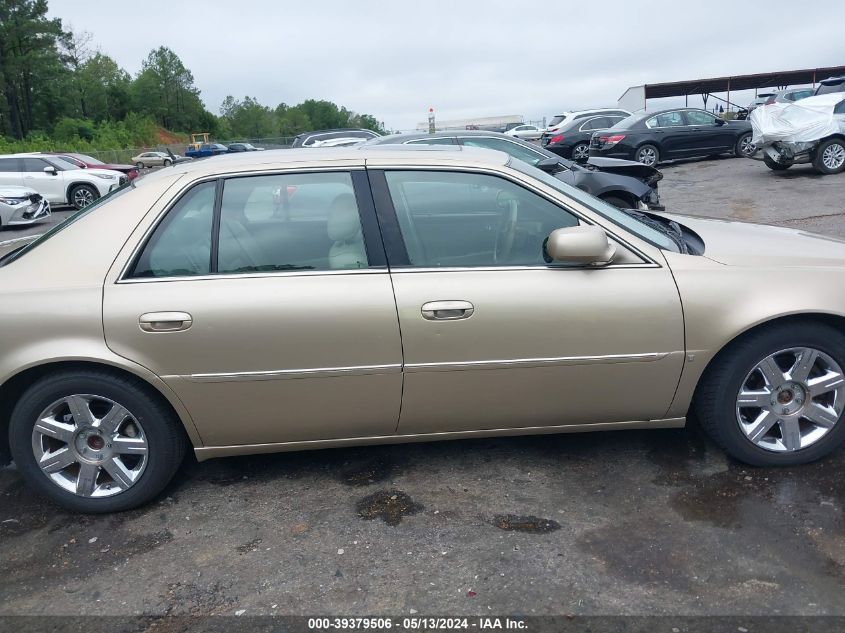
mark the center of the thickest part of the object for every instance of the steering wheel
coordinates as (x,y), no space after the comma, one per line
(506,233)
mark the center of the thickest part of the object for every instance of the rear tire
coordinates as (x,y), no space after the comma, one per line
(775,166)
(580,152)
(156,427)
(717,401)
(647,155)
(829,157)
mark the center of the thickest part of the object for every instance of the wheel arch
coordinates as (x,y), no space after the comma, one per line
(77,183)
(835,320)
(14,387)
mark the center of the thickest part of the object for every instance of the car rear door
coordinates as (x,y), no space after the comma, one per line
(670,131)
(265,303)
(11,172)
(496,338)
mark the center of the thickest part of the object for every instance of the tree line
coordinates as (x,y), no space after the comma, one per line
(55,87)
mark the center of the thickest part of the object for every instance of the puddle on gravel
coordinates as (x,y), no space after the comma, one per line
(368,473)
(389,505)
(529,524)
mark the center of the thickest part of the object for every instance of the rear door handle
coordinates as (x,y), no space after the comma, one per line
(165,321)
(447,310)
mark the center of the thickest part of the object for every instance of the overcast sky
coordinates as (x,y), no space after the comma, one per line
(466,58)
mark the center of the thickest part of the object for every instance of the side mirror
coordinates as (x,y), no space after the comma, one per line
(585,244)
(49,169)
(720,121)
(549,165)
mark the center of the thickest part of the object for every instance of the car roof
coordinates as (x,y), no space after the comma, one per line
(322,156)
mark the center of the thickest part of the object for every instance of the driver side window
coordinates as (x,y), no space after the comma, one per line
(459,219)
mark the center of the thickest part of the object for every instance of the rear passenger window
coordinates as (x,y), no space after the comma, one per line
(290,222)
(180,246)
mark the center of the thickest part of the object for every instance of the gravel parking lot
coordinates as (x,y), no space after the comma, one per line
(657,522)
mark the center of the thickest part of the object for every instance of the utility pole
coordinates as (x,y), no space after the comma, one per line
(431,127)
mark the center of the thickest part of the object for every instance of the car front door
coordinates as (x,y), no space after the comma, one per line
(707,134)
(267,308)
(494,337)
(51,185)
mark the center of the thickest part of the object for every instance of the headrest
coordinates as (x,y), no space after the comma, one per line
(343,223)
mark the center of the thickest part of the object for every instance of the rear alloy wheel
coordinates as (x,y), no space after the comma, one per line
(777,396)
(829,157)
(83,195)
(95,442)
(581,151)
(744,146)
(647,155)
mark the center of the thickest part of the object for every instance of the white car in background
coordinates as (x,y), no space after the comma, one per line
(57,180)
(559,121)
(21,205)
(526,132)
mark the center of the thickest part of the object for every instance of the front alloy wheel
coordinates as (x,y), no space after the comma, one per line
(776,395)
(90,446)
(791,399)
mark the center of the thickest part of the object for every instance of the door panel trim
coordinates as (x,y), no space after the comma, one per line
(316,372)
(539,362)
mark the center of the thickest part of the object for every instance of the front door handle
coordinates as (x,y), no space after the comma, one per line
(165,321)
(447,310)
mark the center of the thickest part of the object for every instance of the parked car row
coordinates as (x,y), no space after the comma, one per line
(624,184)
(58,180)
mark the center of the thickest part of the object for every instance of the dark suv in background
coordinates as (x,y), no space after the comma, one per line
(650,137)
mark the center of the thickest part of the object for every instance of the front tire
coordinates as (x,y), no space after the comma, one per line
(95,442)
(83,195)
(139,165)
(647,155)
(619,203)
(776,396)
(774,166)
(829,157)
(167,162)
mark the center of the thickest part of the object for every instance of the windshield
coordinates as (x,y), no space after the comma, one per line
(23,250)
(617,216)
(61,163)
(557,119)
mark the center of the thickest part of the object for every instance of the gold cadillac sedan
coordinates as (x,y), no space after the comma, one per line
(300,299)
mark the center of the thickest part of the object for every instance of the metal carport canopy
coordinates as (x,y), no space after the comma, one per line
(741,82)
